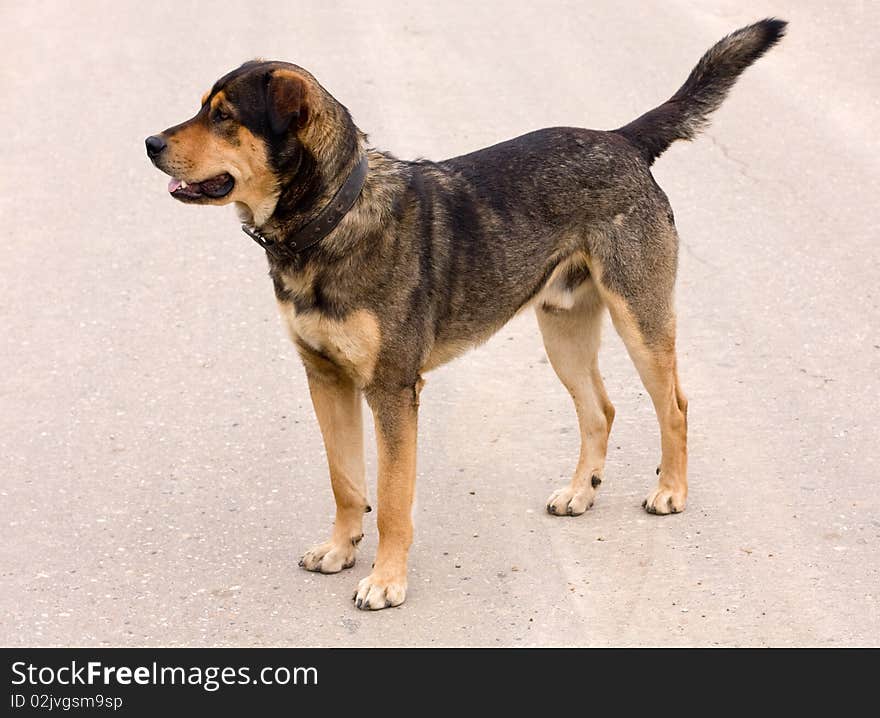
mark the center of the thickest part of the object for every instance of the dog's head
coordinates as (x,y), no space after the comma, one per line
(249,135)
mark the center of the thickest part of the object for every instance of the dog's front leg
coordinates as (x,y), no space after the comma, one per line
(395,413)
(337,404)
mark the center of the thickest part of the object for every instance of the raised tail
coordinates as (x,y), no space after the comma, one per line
(684,114)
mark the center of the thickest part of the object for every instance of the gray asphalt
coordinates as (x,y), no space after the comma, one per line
(163,470)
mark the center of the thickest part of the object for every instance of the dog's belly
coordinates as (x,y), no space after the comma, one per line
(560,292)
(445,351)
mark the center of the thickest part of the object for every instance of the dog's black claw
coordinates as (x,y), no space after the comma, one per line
(387,604)
(368,509)
(595,481)
(359,603)
(569,511)
(658,471)
(551,510)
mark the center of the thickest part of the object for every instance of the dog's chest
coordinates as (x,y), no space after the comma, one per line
(352,343)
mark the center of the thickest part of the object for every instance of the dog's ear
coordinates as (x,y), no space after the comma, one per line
(286,101)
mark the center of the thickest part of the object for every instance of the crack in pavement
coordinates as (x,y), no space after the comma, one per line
(741,166)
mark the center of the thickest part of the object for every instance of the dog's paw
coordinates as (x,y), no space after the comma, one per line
(330,557)
(664,500)
(376,592)
(572,501)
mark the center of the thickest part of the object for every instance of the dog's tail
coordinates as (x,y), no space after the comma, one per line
(684,114)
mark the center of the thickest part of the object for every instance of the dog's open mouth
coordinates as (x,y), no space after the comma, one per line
(212,188)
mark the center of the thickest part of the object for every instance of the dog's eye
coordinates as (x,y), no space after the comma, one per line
(220,116)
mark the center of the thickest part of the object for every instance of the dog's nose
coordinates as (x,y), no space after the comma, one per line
(155,145)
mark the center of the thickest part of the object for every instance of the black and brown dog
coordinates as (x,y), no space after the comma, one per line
(385,269)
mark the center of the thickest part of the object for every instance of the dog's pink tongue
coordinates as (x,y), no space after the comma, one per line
(174,185)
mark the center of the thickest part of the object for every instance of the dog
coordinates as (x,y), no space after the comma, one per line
(384,269)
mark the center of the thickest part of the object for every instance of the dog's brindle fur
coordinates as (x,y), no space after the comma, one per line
(435,257)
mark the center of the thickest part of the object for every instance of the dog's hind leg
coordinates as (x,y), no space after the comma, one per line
(656,364)
(571,338)
(637,288)
(337,403)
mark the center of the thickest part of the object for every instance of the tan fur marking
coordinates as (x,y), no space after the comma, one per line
(657,367)
(572,339)
(386,585)
(300,283)
(205,98)
(196,153)
(256,185)
(217,99)
(352,343)
(187,146)
(337,405)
